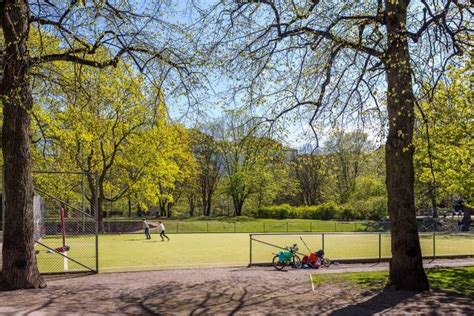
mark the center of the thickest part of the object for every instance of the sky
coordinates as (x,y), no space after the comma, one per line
(212,104)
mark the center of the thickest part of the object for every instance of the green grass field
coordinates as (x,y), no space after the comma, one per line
(456,281)
(129,252)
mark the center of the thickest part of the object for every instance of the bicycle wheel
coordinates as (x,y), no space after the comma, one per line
(296,262)
(277,264)
(326,262)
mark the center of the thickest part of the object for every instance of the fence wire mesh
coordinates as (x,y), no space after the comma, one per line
(65,222)
(356,246)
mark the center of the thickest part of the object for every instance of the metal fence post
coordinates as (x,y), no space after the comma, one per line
(250,253)
(96,222)
(434,246)
(380,247)
(322,235)
(286,226)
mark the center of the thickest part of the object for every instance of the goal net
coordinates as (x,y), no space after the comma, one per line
(65,223)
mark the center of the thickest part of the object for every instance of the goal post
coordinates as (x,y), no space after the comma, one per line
(67,222)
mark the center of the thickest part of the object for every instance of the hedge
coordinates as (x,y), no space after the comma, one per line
(373,208)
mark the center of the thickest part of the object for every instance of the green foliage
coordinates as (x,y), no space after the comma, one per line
(448,121)
(346,157)
(111,122)
(323,211)
(277,211)
(374,208)
(369,199)
(254,166)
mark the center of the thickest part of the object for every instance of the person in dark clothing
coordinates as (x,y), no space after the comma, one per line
(161,228)
(147,229)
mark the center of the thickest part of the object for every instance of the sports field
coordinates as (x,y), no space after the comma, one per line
(131,252)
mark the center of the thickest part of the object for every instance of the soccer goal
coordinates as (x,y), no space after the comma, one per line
(65,222)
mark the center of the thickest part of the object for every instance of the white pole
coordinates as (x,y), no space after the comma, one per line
(65,262)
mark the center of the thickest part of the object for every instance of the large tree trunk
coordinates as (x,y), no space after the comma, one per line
(204,202)
(19,268)
(192,205)
(238,206)
(406,266)
(209,203)
(207,192)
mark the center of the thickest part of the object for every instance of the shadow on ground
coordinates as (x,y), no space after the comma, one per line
(403,302)
(219,291)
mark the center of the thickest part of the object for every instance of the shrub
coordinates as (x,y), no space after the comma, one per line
(322,211)
(346,212)
(374,208)
(275,211)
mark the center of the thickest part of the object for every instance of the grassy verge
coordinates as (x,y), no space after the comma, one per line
(456,281)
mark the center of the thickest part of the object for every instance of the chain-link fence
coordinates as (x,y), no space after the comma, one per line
(356,246)
(126,225)
(66,230)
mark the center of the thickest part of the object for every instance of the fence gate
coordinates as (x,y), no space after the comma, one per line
(66,222)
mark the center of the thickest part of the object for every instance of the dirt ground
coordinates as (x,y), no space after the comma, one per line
(226,291)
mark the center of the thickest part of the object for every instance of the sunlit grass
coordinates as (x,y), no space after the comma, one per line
(456,281)
(128,252)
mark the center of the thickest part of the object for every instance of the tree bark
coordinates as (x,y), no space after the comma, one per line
(19,268)
(209,203)
(406,266)
(192,205)
(238,206)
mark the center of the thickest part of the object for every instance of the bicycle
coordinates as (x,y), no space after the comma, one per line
(287,257)
(322,260)
(315,259)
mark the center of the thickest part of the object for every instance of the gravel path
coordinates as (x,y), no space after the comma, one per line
(225,291)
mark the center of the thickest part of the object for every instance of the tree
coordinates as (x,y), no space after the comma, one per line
(209,163)
(83,27)
(311,175)
(173,181)
(329,58)
(346,152)
(443,138)
(88,129)
(252,163)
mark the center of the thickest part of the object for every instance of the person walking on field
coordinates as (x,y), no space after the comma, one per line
(161,228)
(147,229)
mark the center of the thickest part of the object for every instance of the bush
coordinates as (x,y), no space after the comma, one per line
(323,211)
(275,211)
(374,208)
(346,212)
